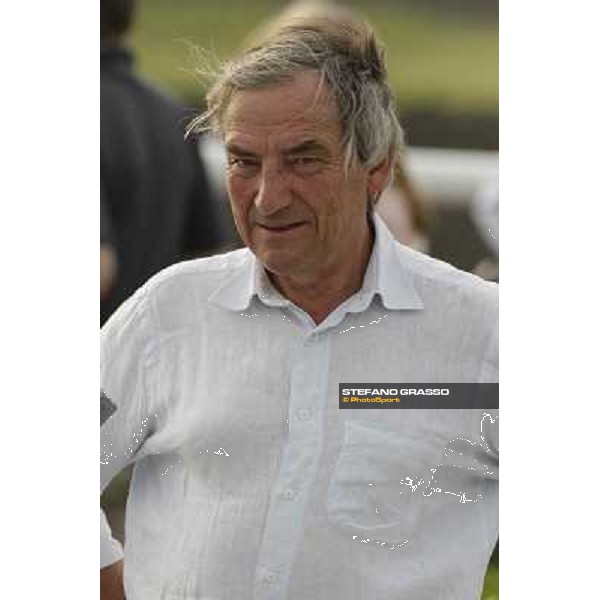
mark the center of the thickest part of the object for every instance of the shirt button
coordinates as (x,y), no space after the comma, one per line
(267,576)
(304,414)
(288,494)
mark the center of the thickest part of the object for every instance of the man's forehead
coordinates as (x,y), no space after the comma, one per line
(295,143)
(304,101)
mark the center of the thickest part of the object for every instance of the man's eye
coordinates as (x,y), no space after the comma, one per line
(306,164)
(243,165)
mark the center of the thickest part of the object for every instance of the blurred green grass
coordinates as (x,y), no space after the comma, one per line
(491,587)
(448,62)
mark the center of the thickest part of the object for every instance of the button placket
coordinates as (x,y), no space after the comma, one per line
(298,469)
(288,494)
(304,414)
(267,576)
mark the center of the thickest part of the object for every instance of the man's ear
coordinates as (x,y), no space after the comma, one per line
(380,176)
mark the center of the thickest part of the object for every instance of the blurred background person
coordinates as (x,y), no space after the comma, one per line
(154,190)
(108,256)
(406,211)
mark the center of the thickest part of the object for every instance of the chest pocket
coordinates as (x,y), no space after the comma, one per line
(376,489)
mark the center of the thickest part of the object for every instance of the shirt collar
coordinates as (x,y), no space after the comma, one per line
(385,276)
(391,280)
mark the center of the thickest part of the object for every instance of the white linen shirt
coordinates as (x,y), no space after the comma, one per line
(251,483)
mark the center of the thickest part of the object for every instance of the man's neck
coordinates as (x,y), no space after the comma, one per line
(319,294)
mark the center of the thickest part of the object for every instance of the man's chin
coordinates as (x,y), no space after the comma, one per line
(280,266)
(281,263)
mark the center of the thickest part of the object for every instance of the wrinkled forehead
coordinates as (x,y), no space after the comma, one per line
(305,100)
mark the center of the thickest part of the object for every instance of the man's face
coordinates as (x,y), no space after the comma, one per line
(294,205)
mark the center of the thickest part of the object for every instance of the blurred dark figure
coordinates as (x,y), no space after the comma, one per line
(108,256)
(156,200)
(408,214)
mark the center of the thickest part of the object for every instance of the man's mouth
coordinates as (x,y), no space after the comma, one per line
(281,228)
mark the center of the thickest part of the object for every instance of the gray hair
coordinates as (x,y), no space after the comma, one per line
(348,57)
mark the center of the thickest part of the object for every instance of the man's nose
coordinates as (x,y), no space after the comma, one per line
(273,193)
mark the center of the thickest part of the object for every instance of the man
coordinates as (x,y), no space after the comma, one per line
(154,188)
(249,482)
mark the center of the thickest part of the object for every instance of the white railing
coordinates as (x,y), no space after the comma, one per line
(451,176)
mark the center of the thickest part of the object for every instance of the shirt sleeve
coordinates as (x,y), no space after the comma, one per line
(111,550)
(487,423)
(489,370)
(127,357)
